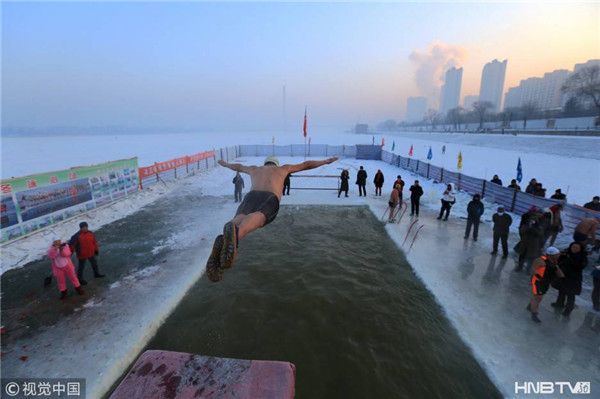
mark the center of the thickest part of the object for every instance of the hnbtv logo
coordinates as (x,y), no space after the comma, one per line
(549,388)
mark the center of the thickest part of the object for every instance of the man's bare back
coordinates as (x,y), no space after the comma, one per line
(271,177)
(259,207)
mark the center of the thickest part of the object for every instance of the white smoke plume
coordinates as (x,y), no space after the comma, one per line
(431,66)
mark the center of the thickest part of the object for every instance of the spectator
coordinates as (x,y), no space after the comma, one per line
(378,181)
(556,224)
(496,180)
(474,212)
(286,184)
(344,177)
(585,232)
(572,263)
(85,245)
(596,290)
(400,182)
(594,205)
(502,222)
(393,203)
(530,189)
(416,191)
(513,184)
(361,180)
(448,199)
(545,268)
(531,242)
(238,182)
(444,149)
(558,195)
(62,267)
(540,191)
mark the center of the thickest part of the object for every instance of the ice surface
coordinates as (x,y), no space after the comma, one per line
(554,161)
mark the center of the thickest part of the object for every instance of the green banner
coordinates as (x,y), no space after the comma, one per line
(33,202)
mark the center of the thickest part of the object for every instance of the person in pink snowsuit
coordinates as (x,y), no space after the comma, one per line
(62,267)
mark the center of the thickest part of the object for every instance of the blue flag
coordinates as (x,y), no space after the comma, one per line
(519,171)
(429,154)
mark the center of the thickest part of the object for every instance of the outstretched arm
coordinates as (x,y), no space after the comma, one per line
(308,165)
(238,167)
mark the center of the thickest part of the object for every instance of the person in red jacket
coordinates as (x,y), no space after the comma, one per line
(85,245)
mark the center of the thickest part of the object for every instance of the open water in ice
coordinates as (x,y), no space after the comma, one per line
(325,288)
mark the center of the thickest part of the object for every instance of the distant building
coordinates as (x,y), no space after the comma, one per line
(361,128)
(416,107)
(492,83)
(545,92)
(468,101)
(450,95)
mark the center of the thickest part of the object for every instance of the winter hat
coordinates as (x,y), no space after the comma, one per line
(272,159)
(552,251)
(83,224)
(500,209)
(54,239)
(533,209)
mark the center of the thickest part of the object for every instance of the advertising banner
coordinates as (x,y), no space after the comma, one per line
(33,202)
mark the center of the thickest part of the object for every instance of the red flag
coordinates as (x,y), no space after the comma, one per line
(382,142)
(304,121)
(410,153)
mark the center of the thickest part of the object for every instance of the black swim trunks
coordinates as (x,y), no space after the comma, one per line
(265,202)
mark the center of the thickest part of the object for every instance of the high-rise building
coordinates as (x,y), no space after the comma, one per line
(468,101)
(492,83)
(450,96)
(416,107)
(544,92)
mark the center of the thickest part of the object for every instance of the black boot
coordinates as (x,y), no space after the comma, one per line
(63,295)
(535,318)
(79,290)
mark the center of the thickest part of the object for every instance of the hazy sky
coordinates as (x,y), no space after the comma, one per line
(211,65)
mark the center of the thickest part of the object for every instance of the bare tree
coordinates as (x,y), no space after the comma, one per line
(480,108)
(455,117)
(585,84)
(527,110)
(433,117)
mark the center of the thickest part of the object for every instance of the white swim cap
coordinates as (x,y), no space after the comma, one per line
(272,159)
(552,251)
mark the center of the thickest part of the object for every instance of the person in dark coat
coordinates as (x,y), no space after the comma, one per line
(85,245)
(593,205)
(344,177)
(496,180)
(378,181)
(558,195)
(572,263)
(286,184)
(502,222)
(540,191)
(416,191)
(238,181)
(474,212)
(531,241)
(530,189)
(361,180)
(596,290)
(513,184)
